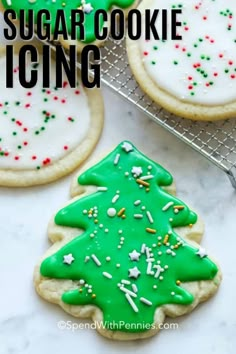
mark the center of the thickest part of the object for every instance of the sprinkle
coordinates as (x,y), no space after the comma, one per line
(107,275)
(122,210)
(127,291)
(172,293)
(167,206)
(149,216)
(149,268)
(138,216)
(144,178)
(178,282)
(158,271)
(134,287)
(166,238)
(132,304)
(115,198)
(117,158)
(151,231)
(143,248)
(108,259)
(82,281)
(143,183)
(96,260)
(124,281)
(137,202)
(147,252)
(101,189)
(111,212)
(145,301)
(87,258)
(178,207)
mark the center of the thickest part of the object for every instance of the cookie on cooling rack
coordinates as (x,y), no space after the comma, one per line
(88,6)
(126,251)
(45,133)
(194,77)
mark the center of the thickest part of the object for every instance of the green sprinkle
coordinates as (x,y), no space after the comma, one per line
(14,133)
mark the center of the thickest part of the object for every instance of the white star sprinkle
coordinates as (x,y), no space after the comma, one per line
(137,170)
(134,272)
(201,252)
(134,256)
(68,259)
(87,8)
(127,147)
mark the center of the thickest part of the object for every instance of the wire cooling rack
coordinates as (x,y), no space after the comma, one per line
(214,140)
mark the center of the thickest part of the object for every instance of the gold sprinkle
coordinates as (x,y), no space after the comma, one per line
(178,282)
(143,183)
(95,221)
(94,296)
(81,290)
(176,246)
(159,243)
(190,225)
(151,231)
(147,189)
(179,207)
(122,210)
(123,216)
(166,238)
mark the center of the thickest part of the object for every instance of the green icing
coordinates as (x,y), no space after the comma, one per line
(116,237)
(67,6)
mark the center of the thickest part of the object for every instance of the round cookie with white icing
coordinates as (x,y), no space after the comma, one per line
(87,6)
(194,77)
(126,251)
(45,133)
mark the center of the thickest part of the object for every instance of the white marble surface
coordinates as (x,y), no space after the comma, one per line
(29,325)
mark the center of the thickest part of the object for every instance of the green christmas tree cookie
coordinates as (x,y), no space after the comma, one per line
(123,253)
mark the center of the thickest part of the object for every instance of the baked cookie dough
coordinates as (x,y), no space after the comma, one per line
(194,77)
(45,133)
(88,6)
(125,250)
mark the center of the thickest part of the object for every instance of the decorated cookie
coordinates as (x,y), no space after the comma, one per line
(125,251)
(88,6)
(45,133)
(194,77)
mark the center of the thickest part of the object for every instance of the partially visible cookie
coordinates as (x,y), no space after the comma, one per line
(194,77)
(45,133)
(88,6)
(125,250)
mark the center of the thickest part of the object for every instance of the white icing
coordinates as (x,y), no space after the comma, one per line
(59,137)
(205,21)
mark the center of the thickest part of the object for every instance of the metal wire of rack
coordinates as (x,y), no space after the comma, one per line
(214,140)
